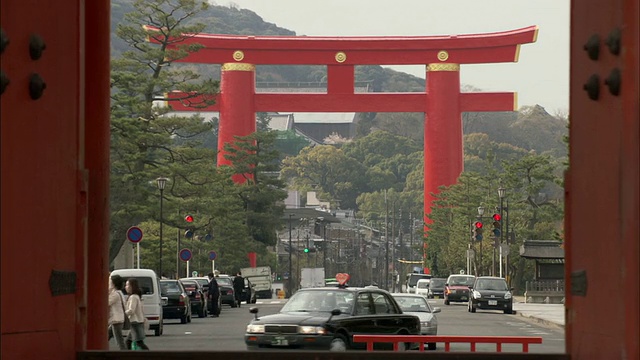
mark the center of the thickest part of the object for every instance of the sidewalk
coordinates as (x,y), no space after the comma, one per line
(548,314)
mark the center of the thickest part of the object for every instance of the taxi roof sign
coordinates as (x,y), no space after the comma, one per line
(342,278)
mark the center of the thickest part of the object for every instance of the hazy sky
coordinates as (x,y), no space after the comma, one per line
(541,76)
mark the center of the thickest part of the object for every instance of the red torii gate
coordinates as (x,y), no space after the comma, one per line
(442,102)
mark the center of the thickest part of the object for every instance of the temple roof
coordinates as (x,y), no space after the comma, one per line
(542,249)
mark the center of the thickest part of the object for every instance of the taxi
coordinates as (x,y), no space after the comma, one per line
(327,318)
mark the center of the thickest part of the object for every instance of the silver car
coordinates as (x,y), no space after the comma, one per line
(418,305)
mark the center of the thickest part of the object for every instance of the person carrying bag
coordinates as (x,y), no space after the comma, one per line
(136,316)
(118,321)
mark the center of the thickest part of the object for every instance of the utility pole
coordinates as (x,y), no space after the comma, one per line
(290,260)
(386,241)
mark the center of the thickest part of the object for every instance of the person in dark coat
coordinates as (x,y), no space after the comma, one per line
(213,294)
(238,287)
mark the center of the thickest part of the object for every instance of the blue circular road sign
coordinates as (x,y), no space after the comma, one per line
(212,255)
(185,254)
(134,234)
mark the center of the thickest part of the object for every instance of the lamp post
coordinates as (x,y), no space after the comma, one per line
(290,259)
(501,193)
(480,213)
(162,182)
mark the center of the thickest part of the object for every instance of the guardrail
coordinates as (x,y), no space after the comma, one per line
(447,340)
(545,285)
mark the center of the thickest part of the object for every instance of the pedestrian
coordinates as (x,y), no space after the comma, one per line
(238,287)
(116,310)
(213,294)
(136,315)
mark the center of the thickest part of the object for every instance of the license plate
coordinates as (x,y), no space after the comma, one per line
(279,341)
(436,297)
(493,302)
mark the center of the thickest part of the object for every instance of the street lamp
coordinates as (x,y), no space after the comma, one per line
(162,182)
(290,260)
(501,194)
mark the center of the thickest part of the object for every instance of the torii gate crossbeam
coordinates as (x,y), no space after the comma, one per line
(442,101)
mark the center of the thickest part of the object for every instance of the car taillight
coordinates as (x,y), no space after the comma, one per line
(181,301)
(447,291)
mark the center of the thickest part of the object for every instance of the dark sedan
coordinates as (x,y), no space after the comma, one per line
(227,295)
(178,305)
(491,293)
(197,297)
(327,319)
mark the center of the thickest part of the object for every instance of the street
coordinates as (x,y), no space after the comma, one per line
(225,333)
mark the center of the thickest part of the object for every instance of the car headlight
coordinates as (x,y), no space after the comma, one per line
(255,329)
(476,294)
(311,330)
(425,323)
(507,296)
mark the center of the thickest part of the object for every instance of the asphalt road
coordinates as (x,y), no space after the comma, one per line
(225,333)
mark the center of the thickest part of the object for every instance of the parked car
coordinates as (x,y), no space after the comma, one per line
(248,294)
(151,295)
(327,318)
(415,304)
(436,288)
(491,293)
(178,305)
(456,289)
(197,296)
(227,294)
(204,281)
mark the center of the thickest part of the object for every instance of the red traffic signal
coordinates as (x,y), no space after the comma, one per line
(497,217)
(478,225)
(188,218)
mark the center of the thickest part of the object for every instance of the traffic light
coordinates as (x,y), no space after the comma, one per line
(188,234)
(306,250)
(477,231)
(497,225)
(188,218)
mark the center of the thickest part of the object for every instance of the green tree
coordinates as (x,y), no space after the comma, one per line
(143,137)
(328,171)
(254,160)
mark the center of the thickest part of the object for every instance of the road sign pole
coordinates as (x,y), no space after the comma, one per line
(138,253)
(187,266)
(213,266)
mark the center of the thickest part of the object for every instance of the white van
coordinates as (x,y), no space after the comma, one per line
(422,287)
(151,299)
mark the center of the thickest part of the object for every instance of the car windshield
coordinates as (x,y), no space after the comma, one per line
(224,281)
(437,283)
(422,285)
(170,287)
(412,303)
(491,284)
(144,282)
(189,286)
(319,301)
(461,280)
(413,278)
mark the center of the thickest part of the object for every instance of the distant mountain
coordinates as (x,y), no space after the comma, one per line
(532,128)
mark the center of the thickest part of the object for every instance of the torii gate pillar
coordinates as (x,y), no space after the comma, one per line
(237,111)
(442,129)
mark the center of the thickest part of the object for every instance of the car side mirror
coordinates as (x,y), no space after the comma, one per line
(254,311)
(510,289)
(447,284)
(436,310)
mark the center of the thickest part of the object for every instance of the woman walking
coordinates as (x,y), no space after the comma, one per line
(116,310)
(135,314)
